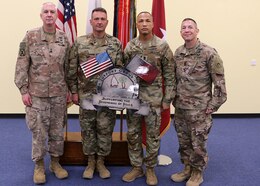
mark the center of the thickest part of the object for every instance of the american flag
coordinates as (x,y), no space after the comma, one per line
(67,19)
(96,64)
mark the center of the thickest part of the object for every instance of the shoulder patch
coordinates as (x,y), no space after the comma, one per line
(217,65)
(22,49)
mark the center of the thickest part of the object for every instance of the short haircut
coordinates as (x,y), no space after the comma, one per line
(144,12)
(99,9)
(45,3)
(189,19)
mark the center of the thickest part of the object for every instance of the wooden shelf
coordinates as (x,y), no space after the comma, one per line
(73,154)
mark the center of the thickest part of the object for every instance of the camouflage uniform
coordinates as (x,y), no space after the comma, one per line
(40,71)
(158,53)
(96,126)
(197,70)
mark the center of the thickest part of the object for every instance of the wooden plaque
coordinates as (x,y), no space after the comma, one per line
(73,154)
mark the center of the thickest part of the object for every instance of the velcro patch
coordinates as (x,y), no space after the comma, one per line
(22,49)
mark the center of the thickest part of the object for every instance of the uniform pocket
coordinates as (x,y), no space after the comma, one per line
(31,117)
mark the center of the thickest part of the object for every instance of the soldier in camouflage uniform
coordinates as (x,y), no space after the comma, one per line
(96,125)
(40,77)
(158,53)
(199,70)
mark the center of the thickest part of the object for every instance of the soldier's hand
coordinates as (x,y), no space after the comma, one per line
(75,99)
(27,100)
(209,111)
(68,97)
(165,106)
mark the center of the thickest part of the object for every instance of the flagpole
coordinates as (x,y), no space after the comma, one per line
(159,30)
(121,125)
(124,13)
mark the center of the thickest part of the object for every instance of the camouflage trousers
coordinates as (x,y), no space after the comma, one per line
(96,130)
(134,137)
(193,127)
(46,119)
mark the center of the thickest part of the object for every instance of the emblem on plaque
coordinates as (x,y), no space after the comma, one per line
(117,89)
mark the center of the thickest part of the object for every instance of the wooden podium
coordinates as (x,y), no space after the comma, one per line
(73,154)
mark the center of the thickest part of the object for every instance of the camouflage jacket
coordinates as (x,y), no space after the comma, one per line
(40,66)
(158,53)
(198,71)
(84,48)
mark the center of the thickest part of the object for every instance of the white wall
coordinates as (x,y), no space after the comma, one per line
(232,27)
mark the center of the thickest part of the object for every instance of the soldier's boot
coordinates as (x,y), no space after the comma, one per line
(39,172)
(196,178)
(183,175)
(89,171)
(151,178)
(134,173)
(101,168)
(56,168)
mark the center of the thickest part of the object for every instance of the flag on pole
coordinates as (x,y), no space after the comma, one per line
(124,20)
(159,29)
(158,13)
(124,29)
(66,20)
(96,64)
(92,4)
